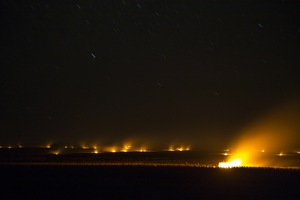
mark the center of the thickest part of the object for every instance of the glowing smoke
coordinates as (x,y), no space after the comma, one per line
(279,131)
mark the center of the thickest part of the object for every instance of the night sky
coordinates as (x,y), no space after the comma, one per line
(150,70)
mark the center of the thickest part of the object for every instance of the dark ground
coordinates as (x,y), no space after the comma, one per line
(113,182)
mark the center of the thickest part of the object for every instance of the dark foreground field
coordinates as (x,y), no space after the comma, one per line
(132,182)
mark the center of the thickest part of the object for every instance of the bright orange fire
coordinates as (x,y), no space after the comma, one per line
(231,164)
(272,133)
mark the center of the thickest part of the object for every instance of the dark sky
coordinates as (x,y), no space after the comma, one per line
(157,70)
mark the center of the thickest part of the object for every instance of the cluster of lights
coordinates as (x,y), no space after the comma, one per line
(171,148)
(69,147)
(127,147)
(142,150)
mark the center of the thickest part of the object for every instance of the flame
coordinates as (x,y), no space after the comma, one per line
(234,163)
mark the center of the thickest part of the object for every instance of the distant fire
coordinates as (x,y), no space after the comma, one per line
(231,164)
(88,148)
(180,148)
(274,132)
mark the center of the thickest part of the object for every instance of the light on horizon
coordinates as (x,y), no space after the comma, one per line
(84,147)
(126,148)
(55,153)
(281,154)
(180,148)
(95,147)
(231,164)
(142,150)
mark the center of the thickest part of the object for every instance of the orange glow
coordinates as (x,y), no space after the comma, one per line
(180,148)
(112,149)
(171,149)
(96,152)
(142,150)
(95,147)
(281,154)
(84,147)
(247,154)
(231,164)
(55,152)
(275,131)
(126,148)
